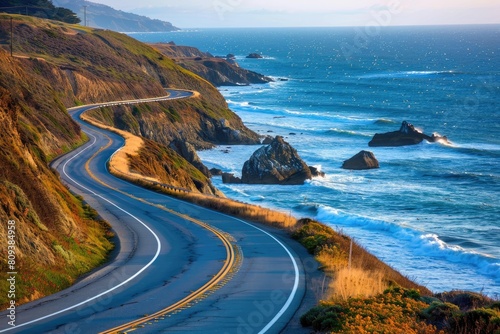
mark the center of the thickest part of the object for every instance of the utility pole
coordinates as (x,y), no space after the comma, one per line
(85,15)
(11,36)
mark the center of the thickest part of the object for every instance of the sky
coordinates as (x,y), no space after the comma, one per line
(312,13)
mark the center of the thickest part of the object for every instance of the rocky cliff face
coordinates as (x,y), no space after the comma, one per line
(218,71)
(170,167)
(277,163)
(188,152)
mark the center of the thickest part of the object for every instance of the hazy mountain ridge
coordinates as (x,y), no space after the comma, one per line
(106,17)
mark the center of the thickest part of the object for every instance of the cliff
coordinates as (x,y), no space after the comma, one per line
(218,71)
(56,66)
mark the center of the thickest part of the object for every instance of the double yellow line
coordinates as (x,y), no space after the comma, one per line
(229,262)
(226,269)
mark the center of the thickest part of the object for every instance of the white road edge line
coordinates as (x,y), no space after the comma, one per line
(116,286)
(296,281)
(295,266)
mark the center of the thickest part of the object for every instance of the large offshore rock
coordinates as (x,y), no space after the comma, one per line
(407,135)
(277,163)
(362,160)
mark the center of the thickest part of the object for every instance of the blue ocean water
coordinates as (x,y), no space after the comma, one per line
(432,211)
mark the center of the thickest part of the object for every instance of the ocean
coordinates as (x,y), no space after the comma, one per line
(432,211)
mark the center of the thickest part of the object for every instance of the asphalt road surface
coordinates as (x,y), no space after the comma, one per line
(161,258)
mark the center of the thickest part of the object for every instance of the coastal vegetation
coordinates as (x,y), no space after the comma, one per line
(40,8)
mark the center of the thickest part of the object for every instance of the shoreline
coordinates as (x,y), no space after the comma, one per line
(424,239)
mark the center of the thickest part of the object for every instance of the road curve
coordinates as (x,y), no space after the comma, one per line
(163,257)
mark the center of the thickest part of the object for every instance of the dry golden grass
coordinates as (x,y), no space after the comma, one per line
(119,162)
(356,282)
(242,210)
(332,259)
(332,250)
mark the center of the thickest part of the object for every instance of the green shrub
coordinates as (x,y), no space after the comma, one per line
(481,321)
(324,318)
(441,314)
(465,300)
(394,311)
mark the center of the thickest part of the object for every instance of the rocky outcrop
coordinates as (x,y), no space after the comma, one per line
(224,132)
(267,140)
(277,163)
(230,178)
(362,160)
(215,172)
(188,152)
(220,71)
(407,135)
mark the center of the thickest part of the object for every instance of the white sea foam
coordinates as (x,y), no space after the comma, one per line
(424,245)
(348,132)
(404,74)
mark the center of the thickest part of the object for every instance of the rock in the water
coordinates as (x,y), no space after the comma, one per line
(407,135)
(315,172)
(362,160)
(254,56)
(230,178)
(277,163)
(267,140)
(215,172)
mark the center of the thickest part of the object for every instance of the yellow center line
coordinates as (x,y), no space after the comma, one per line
(229,262)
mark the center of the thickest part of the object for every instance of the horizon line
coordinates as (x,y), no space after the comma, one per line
(313,27)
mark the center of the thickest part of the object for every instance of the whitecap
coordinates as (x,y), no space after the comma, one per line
(421,244)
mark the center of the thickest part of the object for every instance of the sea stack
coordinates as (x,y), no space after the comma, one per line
(277,163)
(362,160)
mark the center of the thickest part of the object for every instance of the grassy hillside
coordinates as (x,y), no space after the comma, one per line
(56,66)
(58,238)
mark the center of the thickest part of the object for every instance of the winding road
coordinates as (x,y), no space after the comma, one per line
(177,268)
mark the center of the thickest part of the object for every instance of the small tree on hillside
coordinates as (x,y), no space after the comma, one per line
(39,8)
